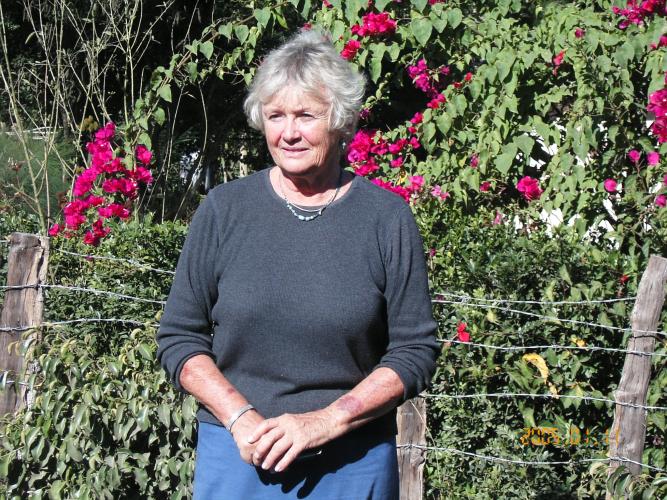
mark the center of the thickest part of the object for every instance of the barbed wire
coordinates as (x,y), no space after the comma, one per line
(549,318)
(7,381)
(553,346)
(49,324)
(526,462)
(500,459)
(545,395)
(132,262)
(545,302)
(82,289)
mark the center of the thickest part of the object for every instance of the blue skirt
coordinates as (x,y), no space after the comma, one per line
(356,466)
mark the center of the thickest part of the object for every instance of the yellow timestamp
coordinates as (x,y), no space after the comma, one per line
(546,436)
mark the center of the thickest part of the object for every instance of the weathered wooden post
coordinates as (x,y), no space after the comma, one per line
(22,307)
(411,421)
(627,434)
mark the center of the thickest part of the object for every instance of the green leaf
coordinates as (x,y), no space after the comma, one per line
(165,92)
(381,4)
(263,16)
(241,31)
(525,144)
(55,489)
(420,5)
(438,22)
(421,28)
(504,161)
(624,53)
(444,122)
(206,49)
(226,30)
(454,17)
(73,451)
(145,351)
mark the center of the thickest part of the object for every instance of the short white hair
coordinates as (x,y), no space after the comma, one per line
(309,62)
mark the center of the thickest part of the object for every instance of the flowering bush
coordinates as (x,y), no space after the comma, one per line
(105,190)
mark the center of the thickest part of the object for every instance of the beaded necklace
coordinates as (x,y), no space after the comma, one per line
(317,211)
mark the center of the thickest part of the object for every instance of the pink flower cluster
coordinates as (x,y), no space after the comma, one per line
(658,106)
(462,333)
(416,183)
(350,49)
(104,190)
(661,43)
(368,146)
(637,11)
(529,187)
(375,25)
(425,80)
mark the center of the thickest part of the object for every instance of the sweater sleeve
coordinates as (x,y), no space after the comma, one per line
(185,326)
(412,349)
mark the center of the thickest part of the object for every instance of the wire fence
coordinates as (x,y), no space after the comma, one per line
(459,300)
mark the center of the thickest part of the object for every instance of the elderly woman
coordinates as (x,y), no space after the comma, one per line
(299,316)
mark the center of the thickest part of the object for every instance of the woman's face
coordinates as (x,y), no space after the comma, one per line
(297,133)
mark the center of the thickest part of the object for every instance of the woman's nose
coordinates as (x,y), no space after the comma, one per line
(291,130)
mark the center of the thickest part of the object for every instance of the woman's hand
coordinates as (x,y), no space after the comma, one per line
(242,429)
(278,441)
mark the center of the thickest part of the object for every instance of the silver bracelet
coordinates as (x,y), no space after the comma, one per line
(238,414)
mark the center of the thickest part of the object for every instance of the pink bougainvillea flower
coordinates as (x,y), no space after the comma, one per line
(664,180)
(467,77)
(498,219)
(364,113)
(144,155)
(84,182)
(444,70)
(360,146)
(397,147)
(140,174)
(366,168)
(54,230)
(558,60)
(437,192)
(416,182)
(106,133)
(474,161)
(659,129)
(414,142)
(610,185)
(417,118)
(375,25)
(396,163)
(529,187)
(634,156)
(461,333)
(485,186)
(579,33)
(436,101)
(350,49)
(457,85)
(661,200)
(93,201)
(653,158)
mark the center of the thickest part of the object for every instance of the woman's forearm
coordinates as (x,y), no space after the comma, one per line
(374,396)
(202,378)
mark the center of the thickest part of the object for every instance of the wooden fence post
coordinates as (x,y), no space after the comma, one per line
(627,434)
(27,263)
(411,421)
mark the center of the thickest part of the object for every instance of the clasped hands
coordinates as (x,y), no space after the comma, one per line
(274,443)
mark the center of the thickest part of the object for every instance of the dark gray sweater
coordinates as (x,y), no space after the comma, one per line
(296,313)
